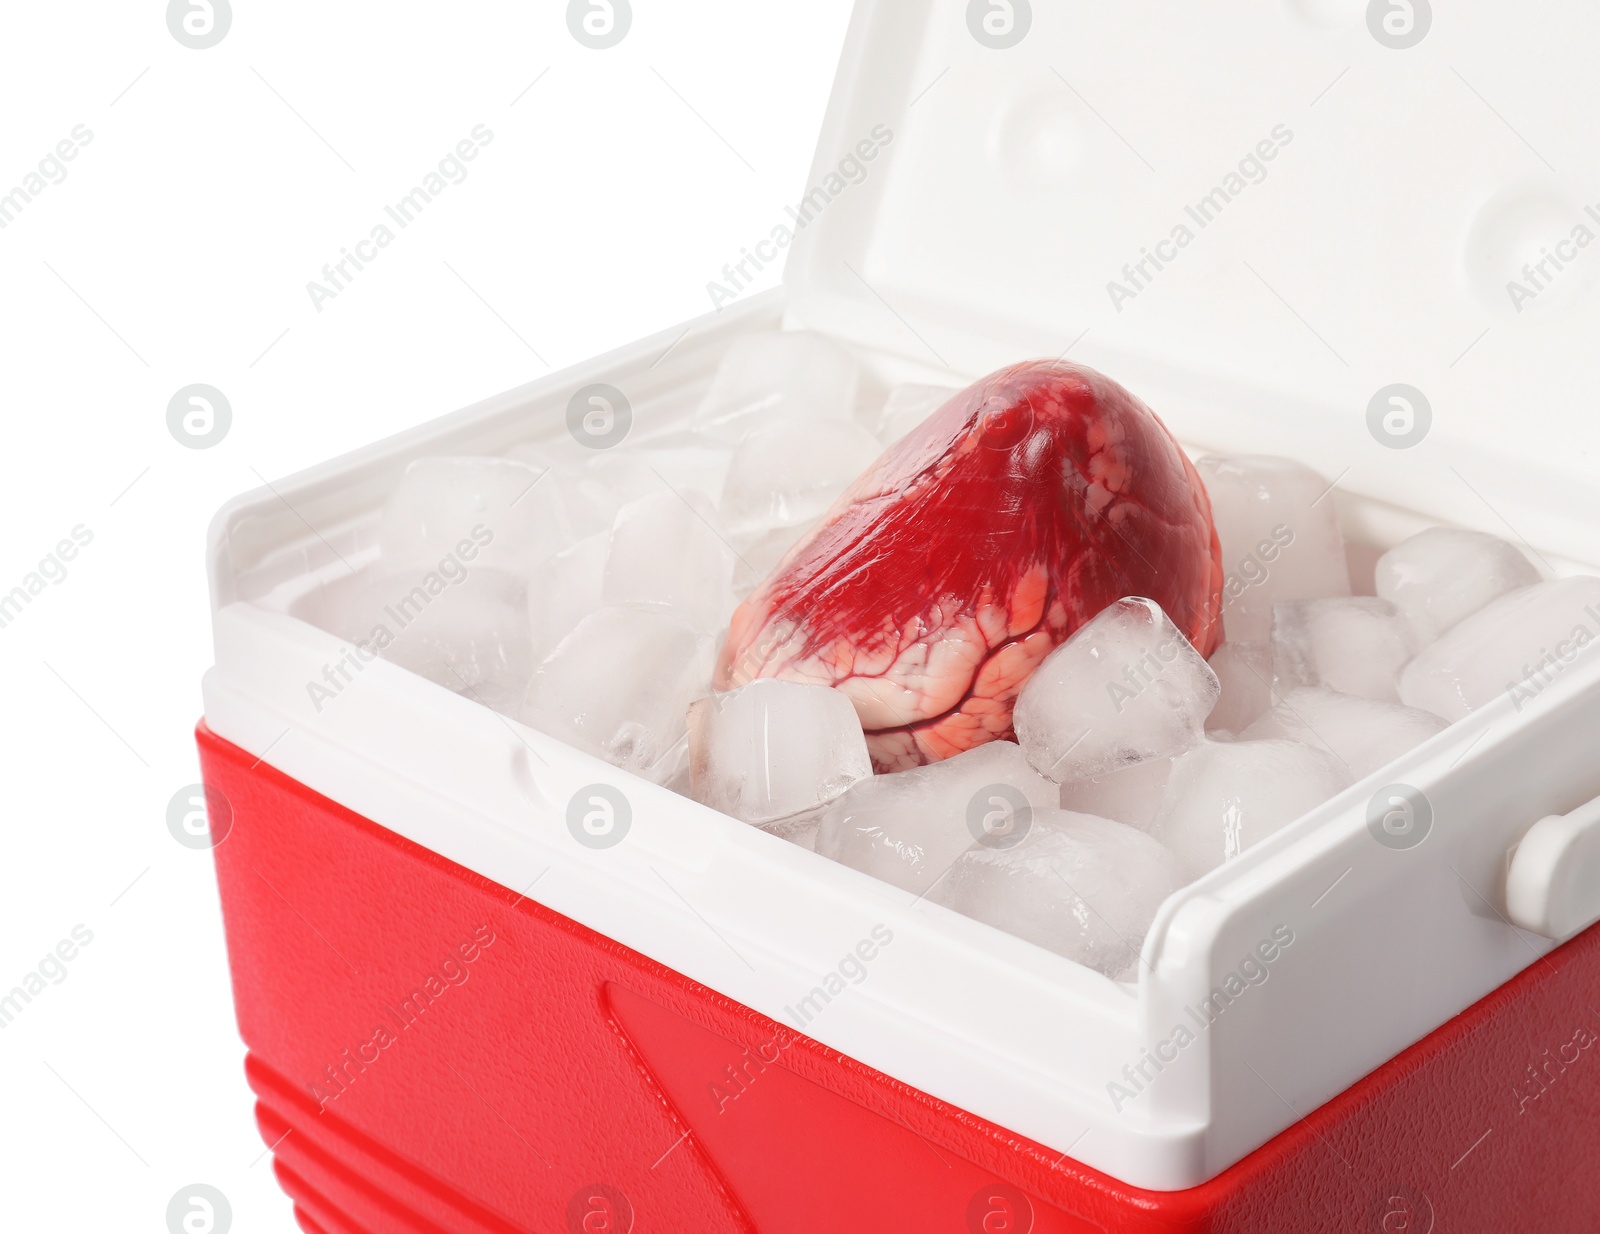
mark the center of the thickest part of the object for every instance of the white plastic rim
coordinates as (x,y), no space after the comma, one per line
(1242,973)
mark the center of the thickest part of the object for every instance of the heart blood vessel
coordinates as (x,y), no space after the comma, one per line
(974,546)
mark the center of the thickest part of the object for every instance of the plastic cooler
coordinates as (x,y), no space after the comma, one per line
(461,1018)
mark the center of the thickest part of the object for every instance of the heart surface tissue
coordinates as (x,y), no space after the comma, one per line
(973,547)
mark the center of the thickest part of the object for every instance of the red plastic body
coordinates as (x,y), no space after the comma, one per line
(432,1052)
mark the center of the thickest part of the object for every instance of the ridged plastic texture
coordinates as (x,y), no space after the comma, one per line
(557,1077)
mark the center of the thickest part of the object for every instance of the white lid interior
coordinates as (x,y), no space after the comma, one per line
(1406,188)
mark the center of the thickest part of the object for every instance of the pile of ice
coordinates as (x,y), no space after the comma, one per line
(585,592)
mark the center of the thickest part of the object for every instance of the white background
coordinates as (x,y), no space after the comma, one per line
(177,250)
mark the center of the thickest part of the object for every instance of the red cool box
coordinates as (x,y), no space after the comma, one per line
(470,1008)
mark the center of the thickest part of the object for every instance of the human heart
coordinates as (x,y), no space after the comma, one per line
(973,547)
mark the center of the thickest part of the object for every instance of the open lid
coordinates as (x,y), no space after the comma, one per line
(1365,234)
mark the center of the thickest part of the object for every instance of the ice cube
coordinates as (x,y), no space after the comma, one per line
(908,826)
(1356,645)
(1361,561)
(1517,645)
(495,511)
(1363,733)
(1225,796)
(1280,539)
(584,492)
(1126,686)
(800,830)
(773,749)
(683,461)
(671,770)
(619,687)
(563,590)
(1084,887)
(594,486)
(1444,574)
(539,455)
(1244,671)
(466,630)
(596,490)
(908,406)
(787,472)
(1131,794)
(669,549)
(779,372)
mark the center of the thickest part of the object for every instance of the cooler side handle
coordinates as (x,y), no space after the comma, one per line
(1553,878)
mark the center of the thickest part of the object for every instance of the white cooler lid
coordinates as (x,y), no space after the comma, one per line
(1332,213)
